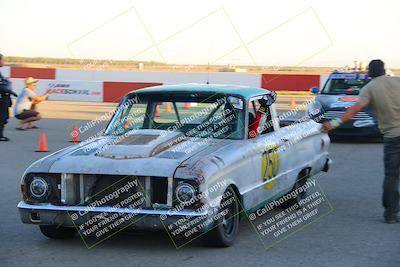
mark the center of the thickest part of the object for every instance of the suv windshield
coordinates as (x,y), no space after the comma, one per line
(194,114)
(347,84)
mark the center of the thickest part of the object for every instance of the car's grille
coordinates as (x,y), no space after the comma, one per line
(330,114)
(109,190)
(113,190)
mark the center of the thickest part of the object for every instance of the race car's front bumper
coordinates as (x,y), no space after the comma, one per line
(73,216)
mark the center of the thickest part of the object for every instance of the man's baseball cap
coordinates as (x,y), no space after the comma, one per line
(30,80)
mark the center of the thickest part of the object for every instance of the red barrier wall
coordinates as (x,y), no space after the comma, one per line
(37,73)
(114,91)
(289,82)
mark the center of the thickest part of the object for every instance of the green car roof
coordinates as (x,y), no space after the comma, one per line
(244,91)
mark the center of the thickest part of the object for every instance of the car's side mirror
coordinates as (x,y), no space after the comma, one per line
(314,90)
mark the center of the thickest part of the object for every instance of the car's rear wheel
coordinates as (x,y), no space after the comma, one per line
(54,232)
(300,181)
(227,225)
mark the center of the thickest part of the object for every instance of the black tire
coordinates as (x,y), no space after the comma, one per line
(226,229)
(54,232)
(300,181)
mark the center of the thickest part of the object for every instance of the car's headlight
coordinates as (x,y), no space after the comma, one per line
(314,109)
(184,192)
(39,188)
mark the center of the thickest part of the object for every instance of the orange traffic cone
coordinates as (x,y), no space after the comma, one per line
(157,113)
(43,144)
(168,107)
(293,102)
(75,134)
(186,105)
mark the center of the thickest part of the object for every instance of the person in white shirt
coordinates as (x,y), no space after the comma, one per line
(25,106)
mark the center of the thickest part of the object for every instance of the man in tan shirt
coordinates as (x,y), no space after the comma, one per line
(383,95)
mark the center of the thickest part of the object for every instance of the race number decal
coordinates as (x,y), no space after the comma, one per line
(270,163)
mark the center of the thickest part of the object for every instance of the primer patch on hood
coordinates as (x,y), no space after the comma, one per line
(140,144)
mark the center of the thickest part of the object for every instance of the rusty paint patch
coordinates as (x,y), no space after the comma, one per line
(167,145)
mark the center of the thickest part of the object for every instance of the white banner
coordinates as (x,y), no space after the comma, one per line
(247,79)
(65,90)
(17,84)
(322,80)
(5,71)
(74,90)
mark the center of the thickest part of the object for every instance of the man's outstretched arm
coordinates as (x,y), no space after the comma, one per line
(348,115)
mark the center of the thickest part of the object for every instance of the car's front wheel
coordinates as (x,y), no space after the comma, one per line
(226,226)
(54,232)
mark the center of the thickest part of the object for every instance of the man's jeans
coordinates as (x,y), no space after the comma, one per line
(391,182)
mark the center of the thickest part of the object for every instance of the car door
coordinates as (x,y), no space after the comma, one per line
(269,157)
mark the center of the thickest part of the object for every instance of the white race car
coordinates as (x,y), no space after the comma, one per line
(186,158)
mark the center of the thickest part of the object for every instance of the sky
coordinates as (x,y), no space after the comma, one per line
(260,33)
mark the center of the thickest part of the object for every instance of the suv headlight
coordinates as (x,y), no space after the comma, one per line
(39,188)
(184,192)
(315,109)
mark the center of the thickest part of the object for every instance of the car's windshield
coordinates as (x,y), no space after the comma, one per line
(194,114)
(346,84)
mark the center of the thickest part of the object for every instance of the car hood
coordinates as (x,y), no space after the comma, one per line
(336,102)
(141,152)
(340,102)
